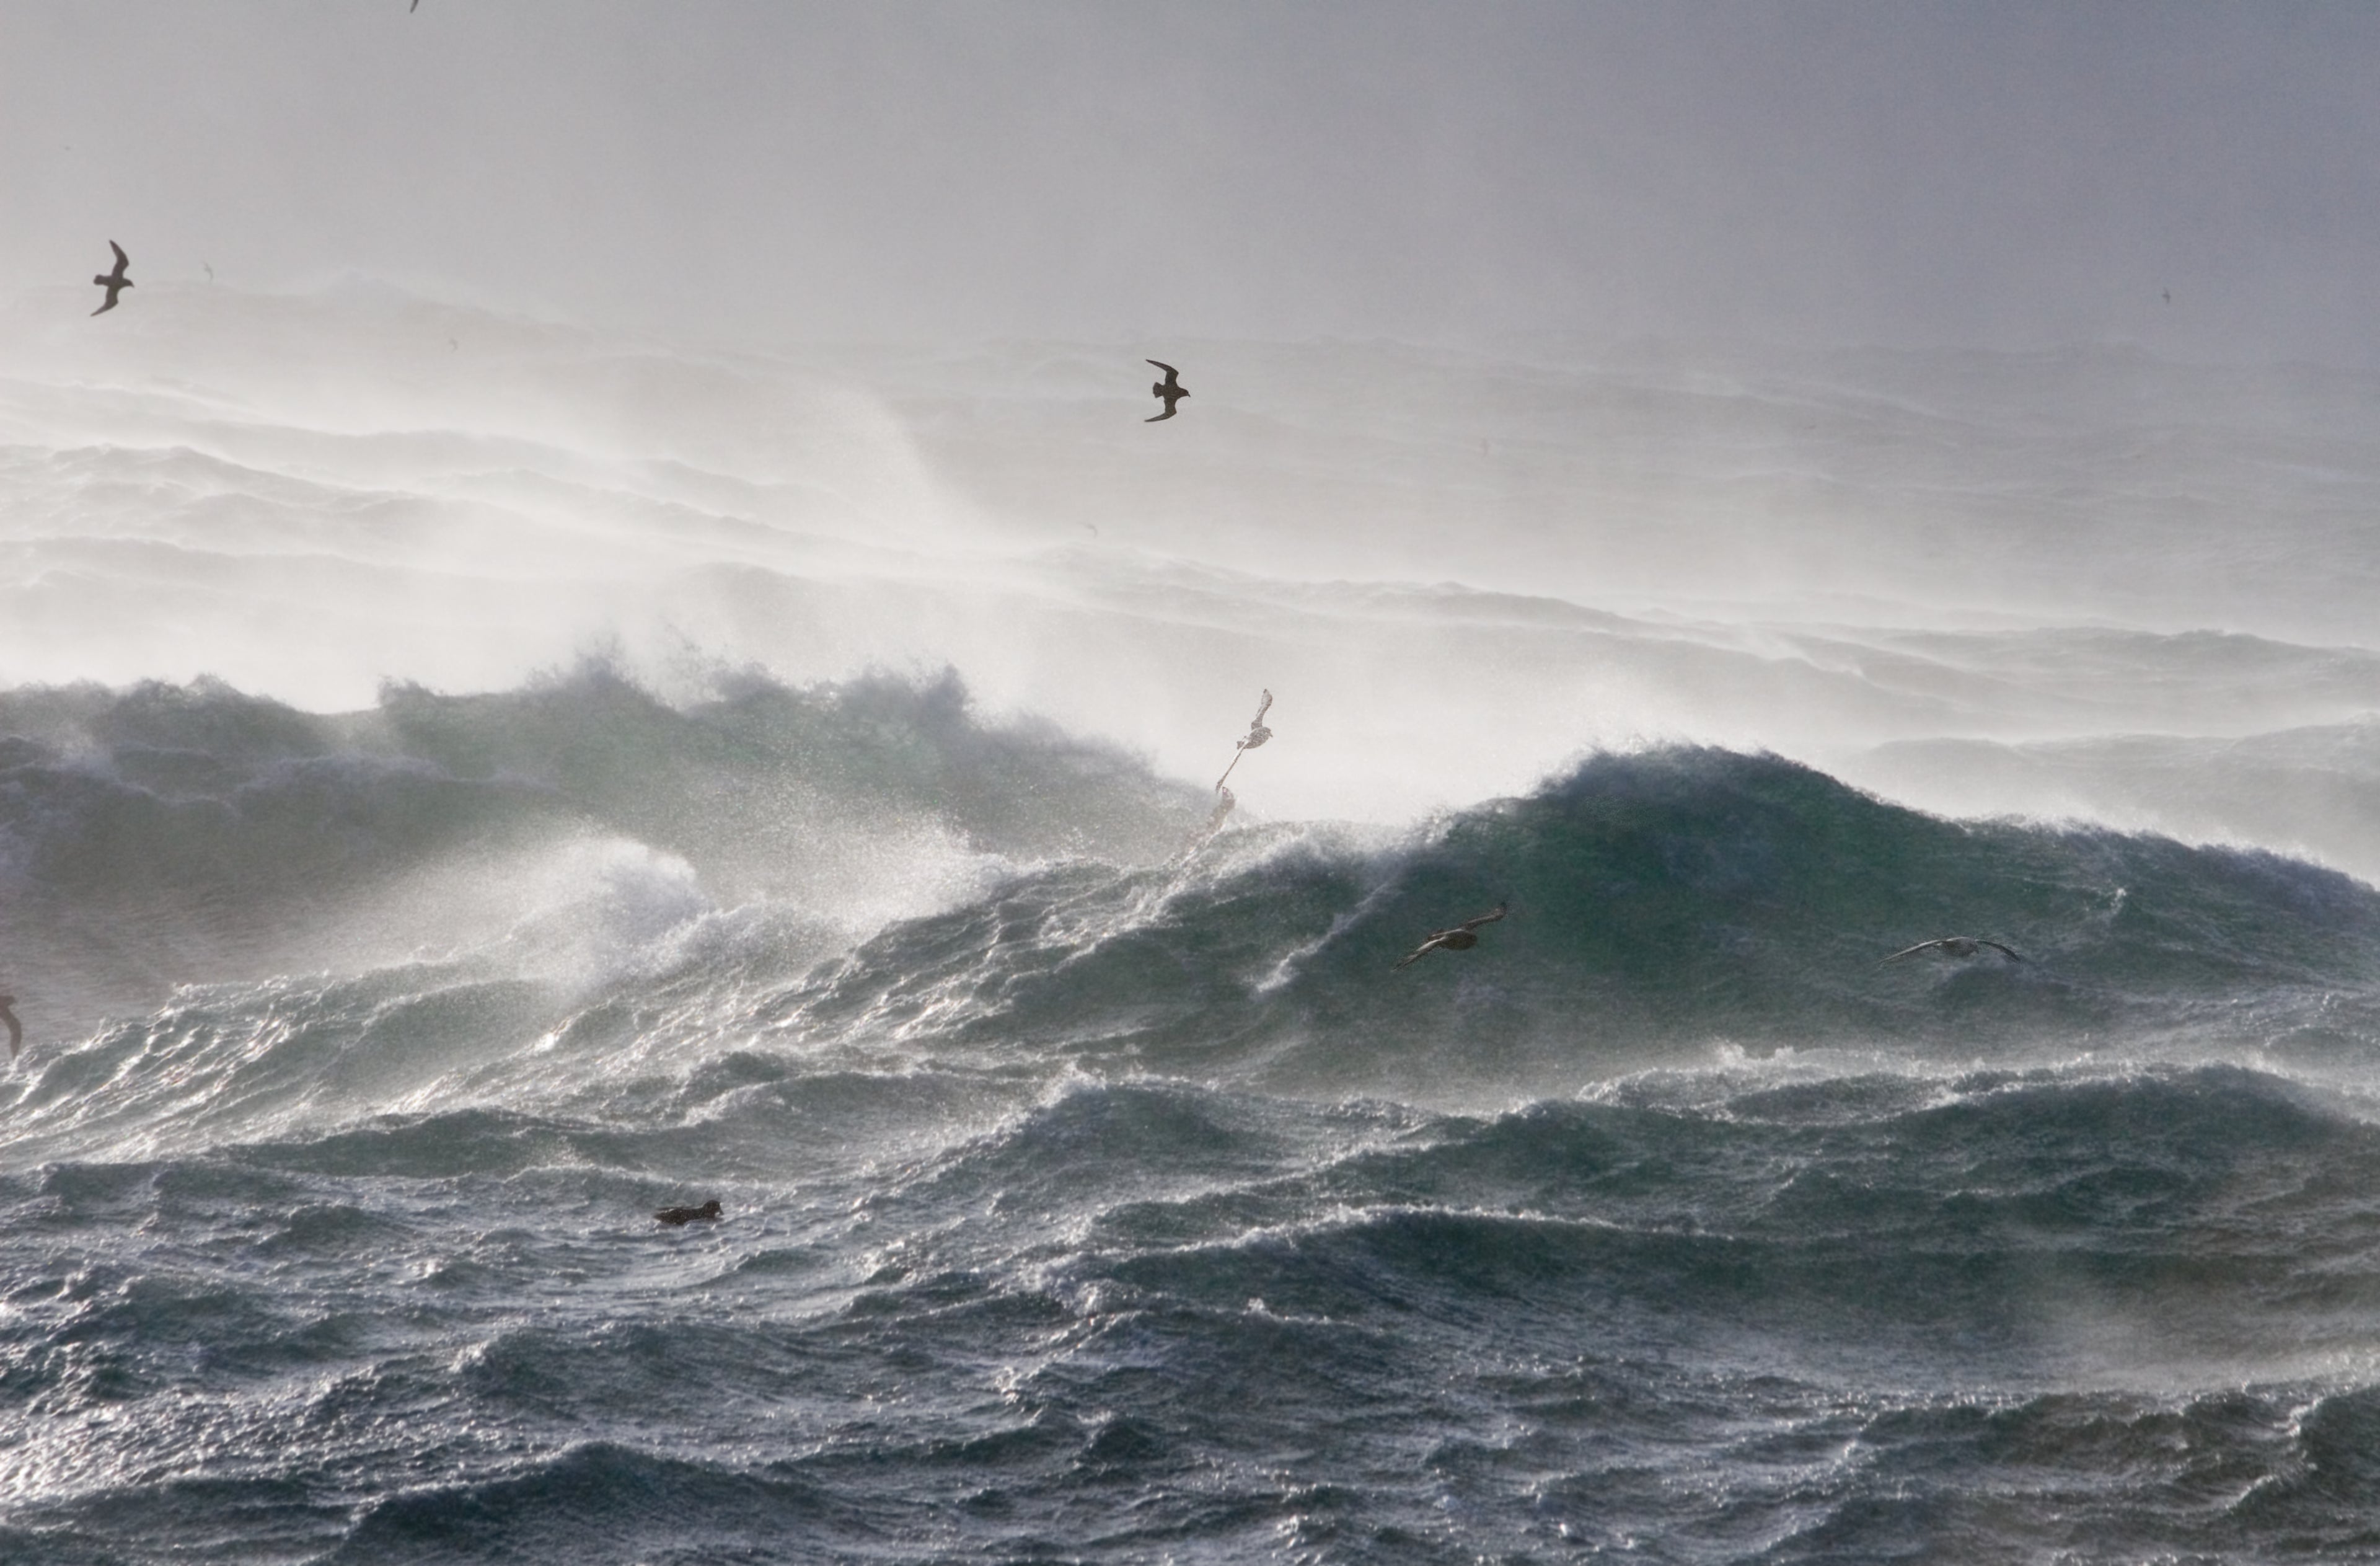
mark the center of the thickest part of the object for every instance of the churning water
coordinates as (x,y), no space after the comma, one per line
(466,784)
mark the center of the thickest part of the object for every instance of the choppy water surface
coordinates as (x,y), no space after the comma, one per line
(1094,1193)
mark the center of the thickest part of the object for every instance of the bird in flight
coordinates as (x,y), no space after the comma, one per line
(16,1028)
(1258,733)
(1462,938)
(1170,389)
(114,281)
(1954,946)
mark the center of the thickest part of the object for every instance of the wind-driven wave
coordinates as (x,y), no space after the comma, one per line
(1662,898)
(1664,903)
(173,834)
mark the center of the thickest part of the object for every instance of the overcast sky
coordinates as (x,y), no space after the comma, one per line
(1994,173)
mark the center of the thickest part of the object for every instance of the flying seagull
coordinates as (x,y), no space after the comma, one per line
(1462,938)
(16,1028)
(1954,946)
(114,281)
(1170,389)
(675,1216)
(1258,733)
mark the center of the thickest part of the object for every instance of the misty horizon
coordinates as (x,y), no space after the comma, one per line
(1825,175)
(650,925)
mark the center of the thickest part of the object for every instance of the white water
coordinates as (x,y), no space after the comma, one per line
(1454,569)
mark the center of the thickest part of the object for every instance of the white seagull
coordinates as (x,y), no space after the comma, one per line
(1258,733)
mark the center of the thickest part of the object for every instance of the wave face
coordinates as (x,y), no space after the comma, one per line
(1100,1203)
(532,778)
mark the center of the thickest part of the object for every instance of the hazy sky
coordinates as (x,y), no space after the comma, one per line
(2001,173)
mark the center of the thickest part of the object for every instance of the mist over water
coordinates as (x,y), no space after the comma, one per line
(470,780)
(489,755)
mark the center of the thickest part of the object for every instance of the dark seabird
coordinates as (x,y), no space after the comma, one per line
(114,281)
(1170,389)
(1462,938)
(16,1028)
(1955,946)
(675,1216)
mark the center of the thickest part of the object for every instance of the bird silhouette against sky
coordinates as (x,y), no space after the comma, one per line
(1170,389)
(114,282)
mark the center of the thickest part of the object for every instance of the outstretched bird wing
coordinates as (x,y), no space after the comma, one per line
(1425,948)
(122,261)
(1501,908)
(1263,707)
(1951,943)
(1173,376)
(1155,417)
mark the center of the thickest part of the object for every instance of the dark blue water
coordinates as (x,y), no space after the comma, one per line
(1103,1202)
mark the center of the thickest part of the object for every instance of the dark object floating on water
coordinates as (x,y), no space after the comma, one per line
(675,1216)
(114,282)
(16,1028)
(1170,389)
(1462,938)
(1955,946)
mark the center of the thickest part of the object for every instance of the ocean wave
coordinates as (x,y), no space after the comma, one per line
(1660,899)
(164,832)
(1664,903)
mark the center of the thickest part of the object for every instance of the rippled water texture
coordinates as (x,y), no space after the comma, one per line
(609,778)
